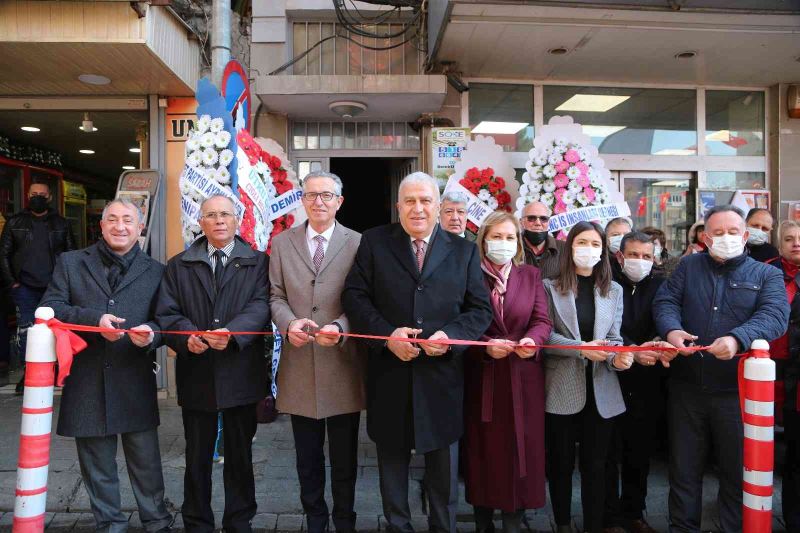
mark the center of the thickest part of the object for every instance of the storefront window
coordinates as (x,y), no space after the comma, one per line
(504,112)
(735,122)
(629,121)
(10,185)
(735,180)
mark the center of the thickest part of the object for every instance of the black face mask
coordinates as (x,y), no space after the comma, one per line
(38,204)
(535,237)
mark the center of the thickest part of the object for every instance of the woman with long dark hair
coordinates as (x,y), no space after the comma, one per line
(581,387)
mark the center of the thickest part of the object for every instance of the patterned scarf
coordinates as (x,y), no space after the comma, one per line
(117,265)
(499,281)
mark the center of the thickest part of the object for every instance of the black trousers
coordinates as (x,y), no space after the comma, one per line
(440,482)
(593,432)
(791,472)
(701,422)
(200,430)
(629,455)
(309,439)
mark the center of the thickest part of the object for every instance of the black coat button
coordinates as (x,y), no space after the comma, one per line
(111,303)
(314,309)
(419,288)
(313,282)
(419,320)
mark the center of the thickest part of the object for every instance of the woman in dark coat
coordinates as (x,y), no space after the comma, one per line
(504,398)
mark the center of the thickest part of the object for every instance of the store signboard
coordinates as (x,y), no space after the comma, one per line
(447,144)
(141,187)
(179,126)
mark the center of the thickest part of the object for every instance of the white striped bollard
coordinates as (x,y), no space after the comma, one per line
(758,416)
(37,417)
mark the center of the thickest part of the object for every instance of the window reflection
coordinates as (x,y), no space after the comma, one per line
(735,122)
(504,112)
(735,180)
(629,121)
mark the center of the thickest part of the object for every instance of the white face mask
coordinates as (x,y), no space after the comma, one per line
(727,246)
(586,256)
(637,269)
(501,252)
(756,237)
(614,243)
(657,249)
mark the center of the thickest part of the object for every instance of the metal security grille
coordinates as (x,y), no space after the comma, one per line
(343,56)
(353,136)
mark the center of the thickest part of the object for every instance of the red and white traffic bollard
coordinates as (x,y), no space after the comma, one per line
(37,417)
(758,416)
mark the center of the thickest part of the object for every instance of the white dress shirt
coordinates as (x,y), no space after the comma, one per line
(311,235)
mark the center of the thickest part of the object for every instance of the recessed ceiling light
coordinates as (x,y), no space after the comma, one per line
(87,152)
(499,128)
(128,167)
(135,150)
(94,79)
(558,51)
(93,129)
(688,54)
(598,103)
(32,129)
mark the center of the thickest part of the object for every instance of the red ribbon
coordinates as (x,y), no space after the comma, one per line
(67,345)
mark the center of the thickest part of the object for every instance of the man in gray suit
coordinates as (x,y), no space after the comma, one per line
(111,389)
(321,377)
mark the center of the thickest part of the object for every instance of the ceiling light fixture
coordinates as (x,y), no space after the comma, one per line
(31,129)
(687,54)
(499,128)
(94,129)
(87,125)
(128,167)
(135,150)
(347,109)
(597,103)
(87,152)
(558,51)
(94,79)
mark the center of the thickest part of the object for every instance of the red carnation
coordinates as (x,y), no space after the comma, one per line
(494,187)
(472,173)
(500,181)
(487,173)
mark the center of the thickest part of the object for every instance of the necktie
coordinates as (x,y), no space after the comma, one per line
(219,268)
(419,244)
(319,253)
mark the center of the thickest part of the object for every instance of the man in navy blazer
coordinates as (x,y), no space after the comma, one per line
(413,279)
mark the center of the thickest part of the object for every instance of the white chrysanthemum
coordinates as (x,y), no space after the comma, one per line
(523,189)
(549,186)
(225,157)
(216,125)
(546,150)
(574,186)
(210,158)
(195,159)
(188,236)
(582,199)
(203,124)
(193,144)
(262,168)
(535,186)
(594,182)
(195,228)
(533,153)
(573,173)
(222,176)
(185,188)
(536,173)
(492,202)
(583,154)
(271,191)
(526,178)
(554,158)
(568,197)
(549,171)
(592,173)
(484,195)
(540,160)
(534,197)
(222,139)
(207,140)
(547,199)
(560,141)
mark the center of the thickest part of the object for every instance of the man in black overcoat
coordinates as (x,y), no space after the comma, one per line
(218,284)
(414,279)
(111,389)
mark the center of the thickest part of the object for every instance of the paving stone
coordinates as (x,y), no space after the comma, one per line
(265,521)
(290,522)
(62,522)
(85,522)
(7,519)
(368,523)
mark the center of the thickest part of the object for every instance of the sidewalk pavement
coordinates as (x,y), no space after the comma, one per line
(277,489)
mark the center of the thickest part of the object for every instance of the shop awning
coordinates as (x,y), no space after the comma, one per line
(46,46)
(387,97)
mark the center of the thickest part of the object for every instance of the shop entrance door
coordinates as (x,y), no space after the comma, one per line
(665,200)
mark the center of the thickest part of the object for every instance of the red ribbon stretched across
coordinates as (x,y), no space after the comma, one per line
(68,344)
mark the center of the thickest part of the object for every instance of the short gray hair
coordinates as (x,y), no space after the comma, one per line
(725,208)
(203,203)
(337,181)
(420,177)
(456,197)
(126,203)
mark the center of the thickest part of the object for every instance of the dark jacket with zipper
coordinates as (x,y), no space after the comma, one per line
(17,238)
(189,301)
(740,297)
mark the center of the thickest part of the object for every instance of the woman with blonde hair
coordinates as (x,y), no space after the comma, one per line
(504,399)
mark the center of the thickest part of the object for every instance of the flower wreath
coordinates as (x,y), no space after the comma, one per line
(489,189)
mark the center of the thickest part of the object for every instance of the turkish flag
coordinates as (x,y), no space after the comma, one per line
(735,142)
(662,204)
(642,211)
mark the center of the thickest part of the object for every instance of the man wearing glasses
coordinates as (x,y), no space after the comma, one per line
(542,250)
(321,376)
(219,284)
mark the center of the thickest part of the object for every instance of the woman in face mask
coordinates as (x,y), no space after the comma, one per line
(664,262)
(581,387)
(504,402)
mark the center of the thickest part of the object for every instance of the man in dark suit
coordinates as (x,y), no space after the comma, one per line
(414,279)
(111,389)
(218,285)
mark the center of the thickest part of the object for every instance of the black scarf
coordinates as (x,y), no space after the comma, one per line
(117,265)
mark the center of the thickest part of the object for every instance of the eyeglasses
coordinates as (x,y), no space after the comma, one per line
(533,218)
(224,215)
(311,197)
